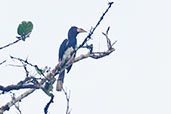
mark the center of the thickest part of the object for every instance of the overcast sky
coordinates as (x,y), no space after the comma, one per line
(135,79)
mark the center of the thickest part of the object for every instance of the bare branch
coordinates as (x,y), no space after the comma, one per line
(17,104)
(107,38)
(67,95)
(17,87)
(7,106)
(23,61)
(10,44)
(25,68)
(109,45)
(98,23)
(26,62)
(18,39)
(2,62)
(27,83)
(48,104)
(114,43)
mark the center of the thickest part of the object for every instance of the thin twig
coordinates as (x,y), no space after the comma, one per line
(25,68)
(114,43)
(98,23)
(17,106)
(15,65)
(48,104)
(26,62)
(10,44)
(109,45)
(67,95)
(18,39)
(2,62)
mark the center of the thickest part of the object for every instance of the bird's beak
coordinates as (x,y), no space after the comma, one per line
(79,30)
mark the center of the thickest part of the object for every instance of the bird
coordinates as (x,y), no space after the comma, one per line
(67,51)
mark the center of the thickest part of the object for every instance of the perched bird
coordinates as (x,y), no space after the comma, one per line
(67,52)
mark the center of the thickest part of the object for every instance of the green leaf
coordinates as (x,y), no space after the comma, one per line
(25,28)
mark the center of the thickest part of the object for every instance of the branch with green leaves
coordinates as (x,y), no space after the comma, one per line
(24,30)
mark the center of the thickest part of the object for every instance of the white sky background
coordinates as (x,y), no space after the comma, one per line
(135,79)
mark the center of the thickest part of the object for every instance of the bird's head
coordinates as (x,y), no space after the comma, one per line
(73,31)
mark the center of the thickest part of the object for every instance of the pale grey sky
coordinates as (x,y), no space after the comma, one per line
(135,79)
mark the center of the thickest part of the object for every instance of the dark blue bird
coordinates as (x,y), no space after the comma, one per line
(67,52)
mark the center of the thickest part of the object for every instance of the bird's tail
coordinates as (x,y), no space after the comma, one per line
(59,85)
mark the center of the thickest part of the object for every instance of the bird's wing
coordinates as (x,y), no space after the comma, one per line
(69,68)
(62,49)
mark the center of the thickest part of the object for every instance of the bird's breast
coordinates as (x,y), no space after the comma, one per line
(68,54)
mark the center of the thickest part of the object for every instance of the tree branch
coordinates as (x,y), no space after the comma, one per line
(48,104)
(2,62)
(17,87)
(17,104)
(18,39)
(27,63)
(98,23)
(67,95)
(27,83)
(10,44)
(7,106)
